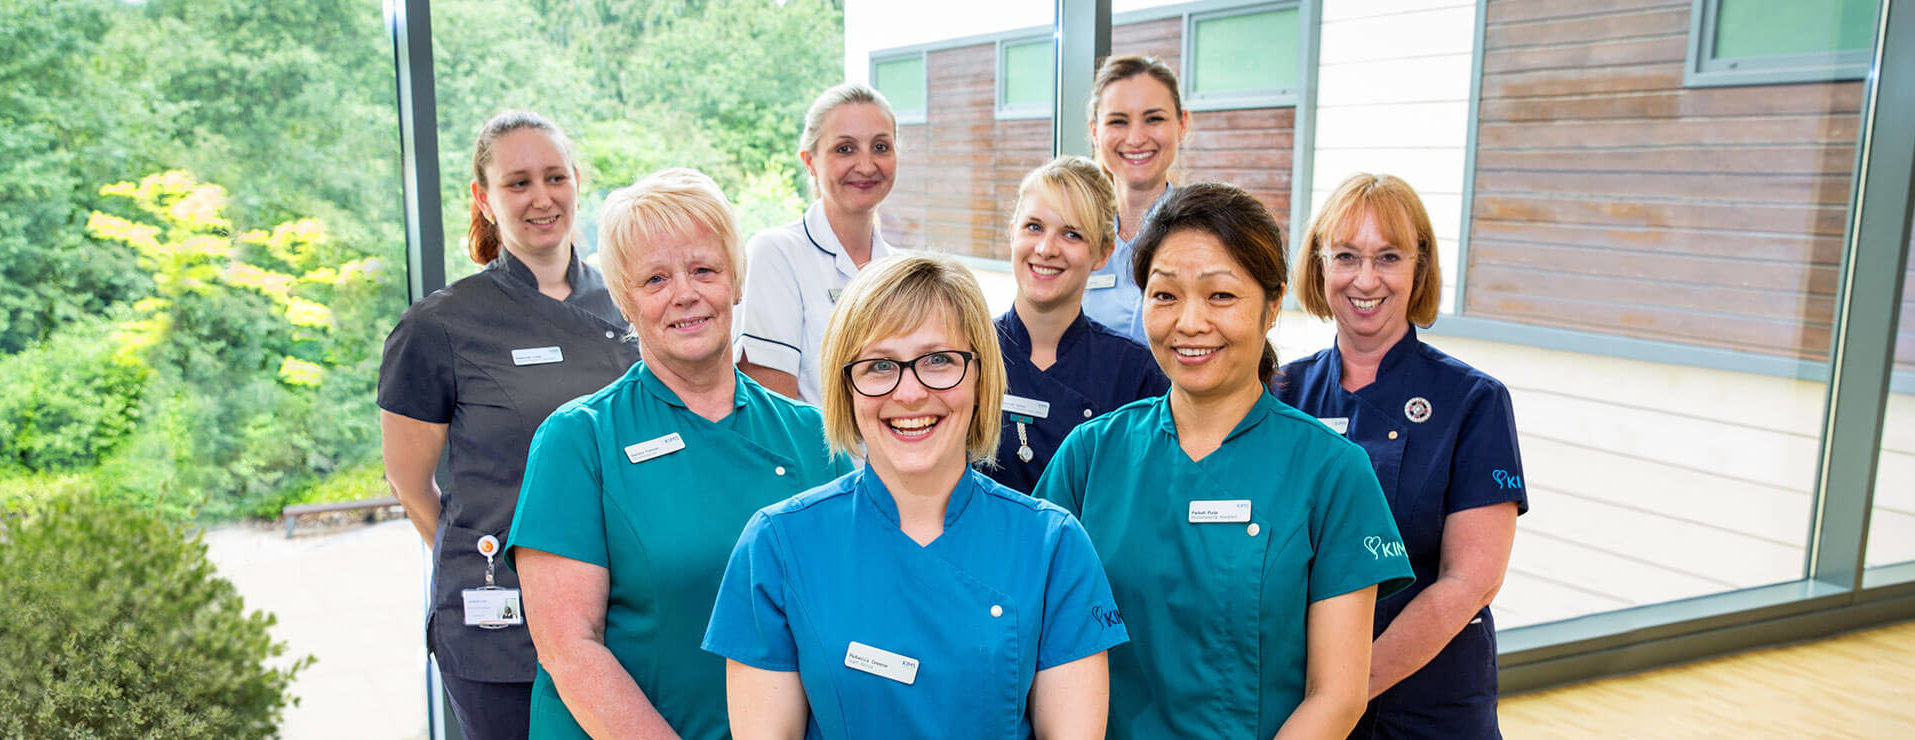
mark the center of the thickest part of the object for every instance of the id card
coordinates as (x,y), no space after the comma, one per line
(1031,407)
(1338,424)
(1101,281)
(651,448)
(493,608)
(879,662)
(1234,510)
(537,356)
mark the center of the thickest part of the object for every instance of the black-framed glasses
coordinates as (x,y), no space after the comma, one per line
(940,370)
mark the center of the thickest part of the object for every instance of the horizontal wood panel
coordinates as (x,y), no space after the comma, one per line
(1651,132)
(1689,297)
(1650,322)
(1802,248)
(1669,48)
(1582,29)
(1808,158)
(1778,282)
(1581,81)
(1512,11)
(1791,219)
(1840,97)
(1825,190)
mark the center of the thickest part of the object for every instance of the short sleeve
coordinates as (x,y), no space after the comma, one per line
(1080,615)
(1352,532)
(1063,480)
(415,374)
(748,621)
(561,510)
(773,328)
(1488,468)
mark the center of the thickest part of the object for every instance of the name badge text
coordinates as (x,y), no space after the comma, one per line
(649,449)
(1100,282)
(1030,407)
(1232,510)
(1338,424)
(880,662)
(537,356)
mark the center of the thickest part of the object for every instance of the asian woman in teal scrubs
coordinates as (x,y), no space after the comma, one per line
(1246,542)
(634,494)
(914,598)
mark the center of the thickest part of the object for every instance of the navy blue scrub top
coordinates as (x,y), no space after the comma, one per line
(1010,588)
(1097,370)
(1442,437)
(490,357)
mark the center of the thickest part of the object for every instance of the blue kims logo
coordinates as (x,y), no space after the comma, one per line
(1505,481)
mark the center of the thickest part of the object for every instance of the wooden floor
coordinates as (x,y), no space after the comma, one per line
(1860,685)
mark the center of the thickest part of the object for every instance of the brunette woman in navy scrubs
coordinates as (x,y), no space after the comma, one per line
(1442,437)
(1063,366)
(914,598)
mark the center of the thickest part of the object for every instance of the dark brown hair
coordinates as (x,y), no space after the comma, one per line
(482,236)
(1240,223)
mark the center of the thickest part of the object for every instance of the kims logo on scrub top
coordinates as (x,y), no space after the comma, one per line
(1380,549)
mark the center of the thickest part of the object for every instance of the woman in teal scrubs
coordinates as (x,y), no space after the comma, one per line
(1246,543)
(634,494)
(914,598)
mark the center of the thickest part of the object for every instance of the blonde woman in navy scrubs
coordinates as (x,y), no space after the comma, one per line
(1063,366)
(1138,122)
(849,148)
(1442,437)
(1246,542)
(914,598)
(634,494)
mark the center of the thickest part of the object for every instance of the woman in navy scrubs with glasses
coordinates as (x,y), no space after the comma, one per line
(1063,366)
(914,598)
(1442,437)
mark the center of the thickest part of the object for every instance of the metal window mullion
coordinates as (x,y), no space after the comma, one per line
(1875,256)
(1082,40)
(410,22)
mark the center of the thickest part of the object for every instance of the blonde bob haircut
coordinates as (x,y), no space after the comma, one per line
(1076,186)
(669,203)
(894,296)
(1402,221)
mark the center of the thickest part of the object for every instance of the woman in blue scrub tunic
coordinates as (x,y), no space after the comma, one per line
(914,598)
(1138,122)
(1442,437)
(1246,543)
(633,494)
(1063,367)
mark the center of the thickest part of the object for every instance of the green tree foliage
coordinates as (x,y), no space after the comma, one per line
(120,628)
(68,400)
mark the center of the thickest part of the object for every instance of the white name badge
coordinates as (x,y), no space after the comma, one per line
(649,449)
(537,356)
(879,662)
(1205,512)
(493,608)
(1030,407)
(1101,281)
(1338,424)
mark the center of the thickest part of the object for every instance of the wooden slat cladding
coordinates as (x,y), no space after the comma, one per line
(1610,198)
(958,172)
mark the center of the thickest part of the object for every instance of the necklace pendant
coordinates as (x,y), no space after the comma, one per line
(1024,453)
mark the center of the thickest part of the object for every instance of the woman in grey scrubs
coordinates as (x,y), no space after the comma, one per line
(473,369)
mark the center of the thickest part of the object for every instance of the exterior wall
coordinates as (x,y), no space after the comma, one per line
(958,172)
(1393,98)
(1609,198)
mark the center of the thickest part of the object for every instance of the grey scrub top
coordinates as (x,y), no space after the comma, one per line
(491,357)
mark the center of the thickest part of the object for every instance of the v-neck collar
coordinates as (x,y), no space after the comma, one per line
(1398,352)
(509,265)
(872,489)
(1020,337)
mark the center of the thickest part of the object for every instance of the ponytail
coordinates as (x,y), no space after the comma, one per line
(481,237)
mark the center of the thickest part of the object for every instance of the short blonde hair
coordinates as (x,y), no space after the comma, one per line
(1403,222)
(668,203)
(1077,186)
(893,296)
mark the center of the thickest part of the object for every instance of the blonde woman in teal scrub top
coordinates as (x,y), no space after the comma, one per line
(633,495)
(1246,543)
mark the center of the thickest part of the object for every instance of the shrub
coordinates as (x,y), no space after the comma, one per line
(69,400)
(123,630)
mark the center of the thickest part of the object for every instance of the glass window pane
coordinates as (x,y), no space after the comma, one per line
(1891,536)
(1239,53)
(902,82)
(1751,28)
(1028,74)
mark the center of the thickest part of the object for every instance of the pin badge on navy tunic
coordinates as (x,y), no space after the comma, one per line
(490,357)
(1096,370)
(1442,438)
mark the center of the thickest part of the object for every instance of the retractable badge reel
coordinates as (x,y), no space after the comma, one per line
(490,607)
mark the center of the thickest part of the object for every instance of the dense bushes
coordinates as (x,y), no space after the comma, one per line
(68,400)
(119,628)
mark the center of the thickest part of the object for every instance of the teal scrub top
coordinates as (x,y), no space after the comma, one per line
(1216,609)
(606,484)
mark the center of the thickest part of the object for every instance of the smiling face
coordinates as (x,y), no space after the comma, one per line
(682,289)
(531,192)
(1051,257)
(1367,282)
(1206,319)
(914,430)
(1138,129)
(855,157)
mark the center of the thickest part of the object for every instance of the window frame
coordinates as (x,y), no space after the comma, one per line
(1702,69)
(881,57)
(1271,97)
(1002,109)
